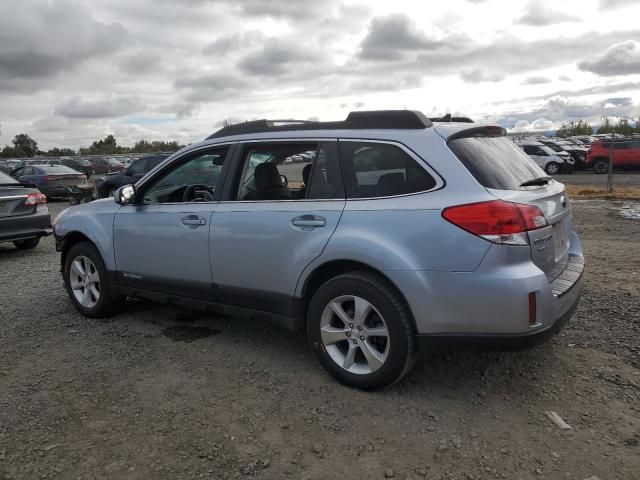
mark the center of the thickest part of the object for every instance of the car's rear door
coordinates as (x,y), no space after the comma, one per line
(162,242)
(261,245)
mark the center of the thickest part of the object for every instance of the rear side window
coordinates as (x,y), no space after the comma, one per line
(381,170)
(495,162)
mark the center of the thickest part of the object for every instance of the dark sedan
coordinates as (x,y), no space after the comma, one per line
(24,216)
(106,185)
(55,180)
(80,164)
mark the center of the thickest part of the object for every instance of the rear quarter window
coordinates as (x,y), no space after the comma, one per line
(381,170)
(495,162)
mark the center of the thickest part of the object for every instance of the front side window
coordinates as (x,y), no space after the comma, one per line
(289,171)
(193,180)
(381,170)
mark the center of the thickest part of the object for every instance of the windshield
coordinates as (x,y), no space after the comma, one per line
(496,162)
(547,149)
(554,147)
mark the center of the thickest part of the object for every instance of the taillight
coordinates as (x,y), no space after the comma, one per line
(35,199)
(47,178)
(497,221)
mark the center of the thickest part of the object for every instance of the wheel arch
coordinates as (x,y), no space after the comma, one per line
(331,269)
(71,239)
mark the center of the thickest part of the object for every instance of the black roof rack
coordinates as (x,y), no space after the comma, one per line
(375,119)
(449,118)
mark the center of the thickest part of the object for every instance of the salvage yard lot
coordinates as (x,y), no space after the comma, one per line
(160,392)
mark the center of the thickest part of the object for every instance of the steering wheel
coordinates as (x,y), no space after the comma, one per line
(197,193)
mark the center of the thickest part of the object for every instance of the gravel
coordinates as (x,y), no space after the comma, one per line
(164,393)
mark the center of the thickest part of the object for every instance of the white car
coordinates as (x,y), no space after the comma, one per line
(546,158)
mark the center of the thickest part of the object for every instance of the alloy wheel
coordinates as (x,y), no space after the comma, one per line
(354,334)
(85,281)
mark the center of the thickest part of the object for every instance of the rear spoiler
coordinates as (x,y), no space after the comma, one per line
(486,131)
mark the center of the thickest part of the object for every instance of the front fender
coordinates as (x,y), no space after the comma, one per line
(93,220)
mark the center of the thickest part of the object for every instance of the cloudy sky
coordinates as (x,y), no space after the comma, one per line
(72,71)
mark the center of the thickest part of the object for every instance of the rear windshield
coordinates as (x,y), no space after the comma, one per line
(495,162)
(56,169)
(6,179)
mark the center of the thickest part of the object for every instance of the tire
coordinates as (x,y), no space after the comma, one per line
(552,168)
(388,358)
(27,244)
(601,165)
(97,306)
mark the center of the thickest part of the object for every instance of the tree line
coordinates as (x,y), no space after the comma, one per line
(25,146)
(581,127)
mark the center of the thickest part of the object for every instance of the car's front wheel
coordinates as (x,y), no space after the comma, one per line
(86,281)
(361,330)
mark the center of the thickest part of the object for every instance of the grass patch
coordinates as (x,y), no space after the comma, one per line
(592,191)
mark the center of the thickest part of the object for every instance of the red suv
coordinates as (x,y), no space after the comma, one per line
(626,154)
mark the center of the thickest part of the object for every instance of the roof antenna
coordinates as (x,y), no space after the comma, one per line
(446,118)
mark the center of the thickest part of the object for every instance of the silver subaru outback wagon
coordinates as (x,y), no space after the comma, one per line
(379,236)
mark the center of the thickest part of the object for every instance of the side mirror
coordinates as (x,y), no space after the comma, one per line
(125,195)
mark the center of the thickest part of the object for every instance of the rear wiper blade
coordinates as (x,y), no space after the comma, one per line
(536,181)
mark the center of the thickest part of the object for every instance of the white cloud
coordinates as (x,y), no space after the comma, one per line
(620,59)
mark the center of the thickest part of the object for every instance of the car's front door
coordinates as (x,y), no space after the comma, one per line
(162,241)
(283,205)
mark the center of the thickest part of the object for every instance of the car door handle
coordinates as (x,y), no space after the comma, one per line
(308,221)
(193,220)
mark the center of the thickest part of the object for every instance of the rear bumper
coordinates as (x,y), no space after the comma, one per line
(500,342)
(490,305)
(28,226)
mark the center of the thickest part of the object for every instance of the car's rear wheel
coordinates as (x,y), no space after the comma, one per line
(86,281)
(601,166)
(361,330)
(552,168)
(27,244)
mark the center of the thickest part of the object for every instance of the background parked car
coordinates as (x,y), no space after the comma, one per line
(79,164)
(626,155)
(24,216)
(106,185)
(54,181)
(559,151)
(102,165)
(546,158)
(577,151)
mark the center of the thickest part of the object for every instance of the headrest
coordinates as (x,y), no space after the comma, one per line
(267,176)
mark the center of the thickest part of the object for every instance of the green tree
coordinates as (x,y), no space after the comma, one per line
(569,129)
(145,146)
(624,127)
(60,152)
(10,152)
(24,144)
(606,126)
(106,146)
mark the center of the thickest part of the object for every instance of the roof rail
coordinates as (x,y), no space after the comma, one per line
(375,119)
(449,118)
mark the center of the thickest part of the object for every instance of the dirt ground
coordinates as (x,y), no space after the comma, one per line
(162,393)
